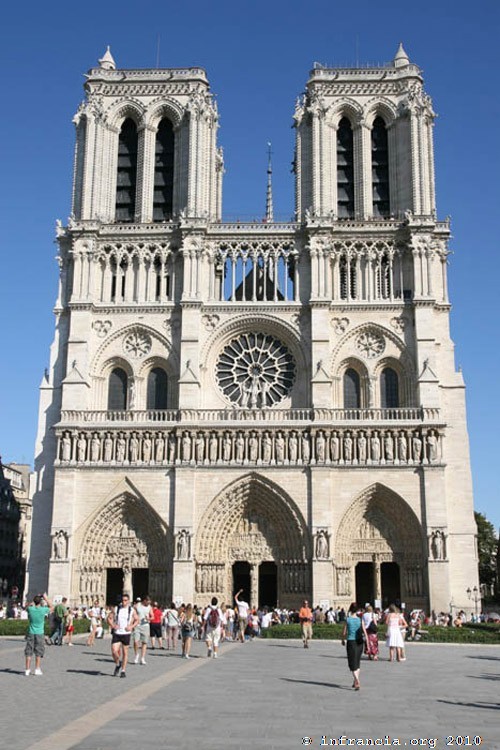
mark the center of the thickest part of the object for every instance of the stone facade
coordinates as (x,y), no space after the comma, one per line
(265,405)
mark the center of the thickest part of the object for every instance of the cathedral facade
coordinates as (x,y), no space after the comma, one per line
(267,406)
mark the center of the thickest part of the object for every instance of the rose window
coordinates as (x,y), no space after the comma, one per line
(255,370)
(137,344)
(370,344)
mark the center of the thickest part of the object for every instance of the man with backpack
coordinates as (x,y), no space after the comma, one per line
(212,624)
(121,620)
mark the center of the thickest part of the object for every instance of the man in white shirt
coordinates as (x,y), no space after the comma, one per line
(243,608)
(122,620)
(212,624)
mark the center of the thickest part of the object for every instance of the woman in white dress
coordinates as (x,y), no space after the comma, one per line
(395,621)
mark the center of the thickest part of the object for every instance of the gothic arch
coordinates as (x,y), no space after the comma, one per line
(395,348)
(161,108)
(120,110)
(253,496)
(109,348)
(252,521)
(383,108)
(345,108)
(125,533)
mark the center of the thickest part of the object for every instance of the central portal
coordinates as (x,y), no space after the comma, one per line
(268,584)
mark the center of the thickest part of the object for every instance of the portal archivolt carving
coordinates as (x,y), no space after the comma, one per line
(126,534)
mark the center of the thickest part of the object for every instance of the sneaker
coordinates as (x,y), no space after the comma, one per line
(216,655)
(27,672)
(117,670)
(186,656)
(143,661)
(38,672)
(136,660)
(209,653)
(123,674)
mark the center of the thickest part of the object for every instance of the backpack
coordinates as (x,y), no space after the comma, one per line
(213,617)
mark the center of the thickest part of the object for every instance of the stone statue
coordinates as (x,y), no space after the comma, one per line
(437,545)
(267,445)
(146,449)
(389,447)
(131,394)
(320,448)
(95,445)
(335,446)
(186,447)
(108,447)
(82,448)
(120,449)
(183,545)
(240,448)
(432,447)
(362,448)
(172,446)
(402,447)
(226,448)
(134,448)
(321,545)
(375,446)
(200,448)
(59,546)
(127,578)
(417,448)
(305,448)
(348,447)
(159,448)
(280,448)
(212,448)
(253,447)
(293,448)
(66,447)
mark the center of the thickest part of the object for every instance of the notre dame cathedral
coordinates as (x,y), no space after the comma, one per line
(267,406)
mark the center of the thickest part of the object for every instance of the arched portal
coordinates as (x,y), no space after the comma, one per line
(380,551)
(125,546)
(254,534)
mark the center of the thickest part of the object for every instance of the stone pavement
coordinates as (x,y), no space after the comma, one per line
(266,694)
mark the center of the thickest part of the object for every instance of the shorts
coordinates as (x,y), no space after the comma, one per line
(35,644)
(307,631)
(212,637)
(121,638)
(141,633)
(70,629)
(155,629)
(242,622)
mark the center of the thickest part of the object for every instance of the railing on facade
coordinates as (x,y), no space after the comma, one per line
(192,416)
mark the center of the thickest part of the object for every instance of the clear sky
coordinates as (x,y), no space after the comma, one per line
(257,56)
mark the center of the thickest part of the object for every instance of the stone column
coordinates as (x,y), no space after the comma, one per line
(254,585)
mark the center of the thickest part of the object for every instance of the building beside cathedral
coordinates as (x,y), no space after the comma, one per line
(267,406)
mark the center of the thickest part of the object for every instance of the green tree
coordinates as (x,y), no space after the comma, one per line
(487,545)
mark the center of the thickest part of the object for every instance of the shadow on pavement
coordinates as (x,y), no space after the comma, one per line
(90,672)
(481,704)
(321,684)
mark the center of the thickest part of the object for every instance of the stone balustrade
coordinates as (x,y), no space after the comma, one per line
(225,416)
(284,446)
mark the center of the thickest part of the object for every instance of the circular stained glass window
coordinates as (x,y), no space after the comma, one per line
(255,370)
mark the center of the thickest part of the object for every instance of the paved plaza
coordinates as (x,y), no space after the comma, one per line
(265,694)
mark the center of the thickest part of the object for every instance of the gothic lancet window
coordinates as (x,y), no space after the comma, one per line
(380,168)
(389,389)
(352,389)
(117,390)
(157,389)
(345,170)
(348,278)
(164,172)
(126,179)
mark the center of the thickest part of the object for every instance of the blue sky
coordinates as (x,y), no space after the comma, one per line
(257,56)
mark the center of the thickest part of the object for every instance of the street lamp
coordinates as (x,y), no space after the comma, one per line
(474,594)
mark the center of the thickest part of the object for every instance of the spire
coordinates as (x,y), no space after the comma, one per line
(401,58)
(269,193)
(106,61)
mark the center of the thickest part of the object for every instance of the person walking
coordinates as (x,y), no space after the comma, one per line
(121,620)
(188,629)
(394,639)
(70,628)
(306,619)
(141,630)
(212,624)
(155,626)
(353,633)
(95,621)
(172,626)
(35,640)
(370,621)
(243,608)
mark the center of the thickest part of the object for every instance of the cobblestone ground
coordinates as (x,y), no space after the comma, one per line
(266,694)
